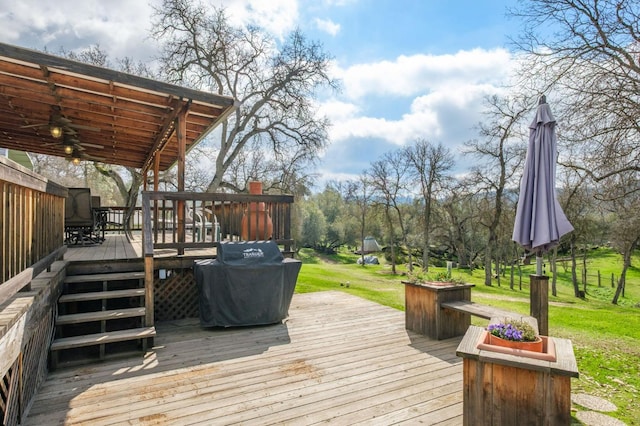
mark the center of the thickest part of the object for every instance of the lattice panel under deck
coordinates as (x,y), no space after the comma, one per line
(176,297)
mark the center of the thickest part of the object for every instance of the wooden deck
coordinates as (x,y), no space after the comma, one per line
(114,247)
(118,247)
(338,359)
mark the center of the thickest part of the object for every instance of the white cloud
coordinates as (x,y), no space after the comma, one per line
(121,27)
(444,94)
(408,75)
(276,16)
(118,26)
(328,26)
(386,103)
(339,3)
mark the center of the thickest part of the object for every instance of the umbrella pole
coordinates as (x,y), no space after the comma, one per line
(539,297)
(538,264)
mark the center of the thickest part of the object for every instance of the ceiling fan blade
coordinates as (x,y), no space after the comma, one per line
(68,123)
(61,121)
(80,126)
(26,126)
(91,145)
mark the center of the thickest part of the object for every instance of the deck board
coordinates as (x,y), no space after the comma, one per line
(337,358)
(119,247)
(114,247)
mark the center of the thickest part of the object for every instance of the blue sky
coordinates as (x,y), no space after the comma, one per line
(410,68)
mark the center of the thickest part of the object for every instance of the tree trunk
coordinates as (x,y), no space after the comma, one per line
(511,282)
(392,242)
(426,234)
(128,192)
(584,270)
(425,258)
(362,230)
(620,284)
(554,275)
(487,265)
(623,274)
(574,276)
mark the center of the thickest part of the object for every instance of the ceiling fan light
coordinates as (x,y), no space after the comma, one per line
(68,149)
(75,158)
(56,131)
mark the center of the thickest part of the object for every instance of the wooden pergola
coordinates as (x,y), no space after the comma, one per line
(104,115)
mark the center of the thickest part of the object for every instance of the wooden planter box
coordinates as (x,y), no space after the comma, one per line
(424,315)
(507,389)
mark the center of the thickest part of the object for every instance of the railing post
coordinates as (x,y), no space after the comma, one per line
(147,252)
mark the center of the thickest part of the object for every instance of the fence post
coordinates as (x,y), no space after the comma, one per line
(599,278)
(613,279)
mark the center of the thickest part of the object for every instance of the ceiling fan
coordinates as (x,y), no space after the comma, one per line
(71,143)
(77,155)
(59,125)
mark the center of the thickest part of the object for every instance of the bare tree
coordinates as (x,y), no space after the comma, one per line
(592,57)
(128,190)
(274,82)
(387,177)
(359,193)
(462,213)
(500,153)
(428,164)
(580,206)
(625,227)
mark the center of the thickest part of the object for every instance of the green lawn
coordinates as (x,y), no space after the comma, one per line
(606,337)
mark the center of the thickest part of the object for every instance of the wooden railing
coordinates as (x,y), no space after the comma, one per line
(31,225)
(32,229)
(115,219)
(184,220)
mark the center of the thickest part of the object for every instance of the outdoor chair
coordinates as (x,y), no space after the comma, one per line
(79,221)
(203,227)
(100,218)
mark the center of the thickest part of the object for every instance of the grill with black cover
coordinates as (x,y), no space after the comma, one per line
(250,283)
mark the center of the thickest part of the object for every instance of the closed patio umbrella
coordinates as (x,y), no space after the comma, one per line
(540,221)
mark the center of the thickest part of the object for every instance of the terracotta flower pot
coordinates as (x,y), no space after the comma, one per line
(535,346)
(256,223)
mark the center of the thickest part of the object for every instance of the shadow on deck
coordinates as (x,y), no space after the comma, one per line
(337,358)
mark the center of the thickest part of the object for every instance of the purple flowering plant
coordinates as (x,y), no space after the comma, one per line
(518,331)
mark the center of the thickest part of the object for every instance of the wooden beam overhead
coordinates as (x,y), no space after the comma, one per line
(115,117)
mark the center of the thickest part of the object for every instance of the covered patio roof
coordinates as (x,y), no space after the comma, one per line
(105,115)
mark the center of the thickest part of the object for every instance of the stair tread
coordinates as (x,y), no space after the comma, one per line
(97,295)
(113,276)
(100,315)
(101,338)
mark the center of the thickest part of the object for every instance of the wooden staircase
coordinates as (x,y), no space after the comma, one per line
(100,316)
